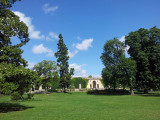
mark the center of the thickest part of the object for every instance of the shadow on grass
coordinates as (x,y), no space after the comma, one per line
(152,94)
(11,107)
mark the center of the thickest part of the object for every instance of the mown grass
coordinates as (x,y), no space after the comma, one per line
(80,106)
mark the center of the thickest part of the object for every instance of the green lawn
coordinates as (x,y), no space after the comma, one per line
(80,106)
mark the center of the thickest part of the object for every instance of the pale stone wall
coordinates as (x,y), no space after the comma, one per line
(95,83)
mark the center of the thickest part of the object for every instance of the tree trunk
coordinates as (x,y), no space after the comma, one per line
(63,90)
(145,91)
(131,91)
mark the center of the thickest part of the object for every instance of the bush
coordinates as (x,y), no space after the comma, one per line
(30,95)
(109,92)
(15,96)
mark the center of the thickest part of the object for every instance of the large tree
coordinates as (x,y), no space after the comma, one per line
(62,62)
(127,72)
(46,70)
(16,79)
(144,49)
(14,75)
(112,53)
(12,27)
(118,69)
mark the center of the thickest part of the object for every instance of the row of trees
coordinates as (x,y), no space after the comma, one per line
(14,76)
(142,69)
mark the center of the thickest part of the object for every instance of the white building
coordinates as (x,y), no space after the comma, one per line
(95,83)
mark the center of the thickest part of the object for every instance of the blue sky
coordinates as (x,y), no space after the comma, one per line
(85,26)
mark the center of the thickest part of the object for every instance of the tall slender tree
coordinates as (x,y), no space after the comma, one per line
(62,63)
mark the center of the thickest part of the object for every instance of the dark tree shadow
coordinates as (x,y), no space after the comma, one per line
(11,107)
(151,94)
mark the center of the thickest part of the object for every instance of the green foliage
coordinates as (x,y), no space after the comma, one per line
(45,70)
(11,26)
(20,78)
(79,80)
(62,62)
(55,81)
(7,3)
(90,76)
(112,53)
(118,69)
(30,95)
(109,92)
(15,96)
(144,49)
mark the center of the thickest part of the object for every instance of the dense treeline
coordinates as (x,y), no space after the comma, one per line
(142,69)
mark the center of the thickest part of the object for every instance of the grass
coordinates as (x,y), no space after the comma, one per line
(80,106)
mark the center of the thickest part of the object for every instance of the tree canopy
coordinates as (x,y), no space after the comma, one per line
(46,70)
(144,49)
(118,69)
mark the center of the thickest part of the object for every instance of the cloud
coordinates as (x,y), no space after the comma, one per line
(47,9)
(85,44)
(33,34)
(52,36)
(31,65)
(79,38)
(79,72)
(72,54)
(40,49)
(122,39)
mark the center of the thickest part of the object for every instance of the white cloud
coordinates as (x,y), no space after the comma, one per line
(79,38)
(40,49)
(52,36)
(34,34)
(47,9)
(31,65)
(122,39)
(85,44)
(79,72)
(72,54)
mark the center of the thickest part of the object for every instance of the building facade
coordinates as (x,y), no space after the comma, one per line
(95,83)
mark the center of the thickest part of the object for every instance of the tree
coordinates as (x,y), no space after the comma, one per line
(55,81)
(112,53)
(127,73)
(144,49)
(45,70)
(16,79)
(118,69)
(7,3)
(11,26)
(62,62)
(90,76)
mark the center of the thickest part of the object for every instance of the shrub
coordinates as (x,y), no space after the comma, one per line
(15,96)
(109,92)
(30,95)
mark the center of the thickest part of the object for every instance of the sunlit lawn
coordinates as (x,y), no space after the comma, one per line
(80,106)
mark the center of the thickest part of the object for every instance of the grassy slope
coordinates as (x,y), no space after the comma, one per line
(80,106)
